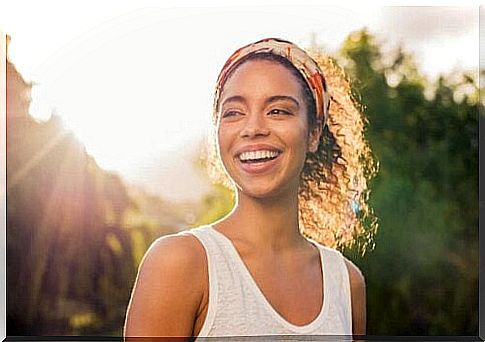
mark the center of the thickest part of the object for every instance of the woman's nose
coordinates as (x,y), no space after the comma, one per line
(255,126)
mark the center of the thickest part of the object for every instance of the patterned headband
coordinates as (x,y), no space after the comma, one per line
(307,67)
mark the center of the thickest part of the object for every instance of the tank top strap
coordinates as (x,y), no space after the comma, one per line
(213,254)
(228,288)
(339,285)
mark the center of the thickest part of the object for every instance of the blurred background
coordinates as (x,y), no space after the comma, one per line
(108,109)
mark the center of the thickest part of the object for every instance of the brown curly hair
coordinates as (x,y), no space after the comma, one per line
(333,193)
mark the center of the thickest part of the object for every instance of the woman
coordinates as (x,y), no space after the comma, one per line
(259,271)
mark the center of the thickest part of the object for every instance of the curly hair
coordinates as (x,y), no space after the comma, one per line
(333,193)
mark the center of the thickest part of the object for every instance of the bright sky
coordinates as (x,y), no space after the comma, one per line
(134,80)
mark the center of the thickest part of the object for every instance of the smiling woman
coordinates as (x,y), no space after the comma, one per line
(296,154)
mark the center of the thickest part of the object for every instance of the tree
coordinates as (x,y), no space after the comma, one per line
(422,277)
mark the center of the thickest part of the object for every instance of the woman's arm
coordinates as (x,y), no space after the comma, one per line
(168,289)
(358,298)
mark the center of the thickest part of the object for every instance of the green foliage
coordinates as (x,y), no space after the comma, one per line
(422,277)
(215,205)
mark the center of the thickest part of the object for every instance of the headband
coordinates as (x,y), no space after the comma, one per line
(307,67)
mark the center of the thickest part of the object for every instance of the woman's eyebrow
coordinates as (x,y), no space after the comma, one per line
(271,99)
(275,98)
(235,98)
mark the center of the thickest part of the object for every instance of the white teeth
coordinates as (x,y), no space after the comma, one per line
(252,155)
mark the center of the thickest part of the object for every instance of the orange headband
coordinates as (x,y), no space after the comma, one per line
(307,67)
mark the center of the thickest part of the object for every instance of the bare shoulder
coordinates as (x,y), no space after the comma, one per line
(357,279)
(174,250)
(179,258)
(358,298)
(171,275)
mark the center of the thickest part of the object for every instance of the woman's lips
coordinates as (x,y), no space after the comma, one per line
(259,167)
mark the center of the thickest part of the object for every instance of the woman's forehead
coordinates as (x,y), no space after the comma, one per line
(260,78)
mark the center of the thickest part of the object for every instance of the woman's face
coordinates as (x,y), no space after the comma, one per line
(263,133)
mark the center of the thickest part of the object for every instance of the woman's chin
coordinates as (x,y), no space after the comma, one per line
(262,192)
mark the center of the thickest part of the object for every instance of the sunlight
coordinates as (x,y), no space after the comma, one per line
(132,91)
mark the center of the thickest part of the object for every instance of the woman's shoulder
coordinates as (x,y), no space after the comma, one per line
(181,249)
(171,275)
(177,258)
(357,280)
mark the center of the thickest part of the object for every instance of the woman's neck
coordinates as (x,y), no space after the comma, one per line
(270,223)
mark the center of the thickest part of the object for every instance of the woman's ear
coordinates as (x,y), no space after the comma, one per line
(314,137)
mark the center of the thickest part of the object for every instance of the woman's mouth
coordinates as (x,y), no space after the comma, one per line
(258,161)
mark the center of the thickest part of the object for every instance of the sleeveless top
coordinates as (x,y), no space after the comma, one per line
(237,307)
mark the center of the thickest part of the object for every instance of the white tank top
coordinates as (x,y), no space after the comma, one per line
(237,307)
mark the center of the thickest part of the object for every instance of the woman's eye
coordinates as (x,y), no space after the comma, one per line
(230,113)
(279,112)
